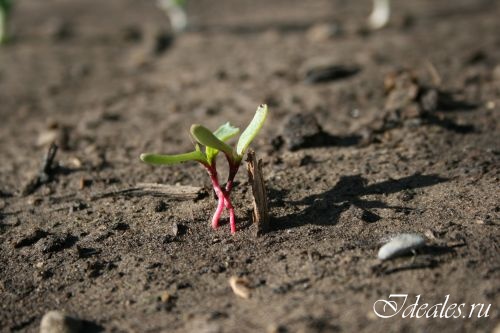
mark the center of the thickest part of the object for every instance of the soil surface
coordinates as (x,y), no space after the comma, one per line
(370,134)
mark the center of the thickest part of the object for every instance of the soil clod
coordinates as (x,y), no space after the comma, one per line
(30,238)
(121,226)
(160,206)
(303,131)
(56,243)
(322,74)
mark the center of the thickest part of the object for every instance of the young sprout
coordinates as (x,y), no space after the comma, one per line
(5,7)
(214,143)
(380,14)
(176,13)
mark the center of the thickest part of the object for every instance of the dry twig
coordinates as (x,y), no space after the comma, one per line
(158,190)
(260,207)
(45,174)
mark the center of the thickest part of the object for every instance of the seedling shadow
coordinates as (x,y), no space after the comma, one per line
(448,103)
(325,208)
(449,124)
(91,327)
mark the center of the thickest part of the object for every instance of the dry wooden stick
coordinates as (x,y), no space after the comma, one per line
(260,207)
(436,78)
(154,189)
(45,174)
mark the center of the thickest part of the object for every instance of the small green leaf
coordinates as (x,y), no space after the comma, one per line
(6,5)
(223,133)
(208,139)
(173,159)
(251,131)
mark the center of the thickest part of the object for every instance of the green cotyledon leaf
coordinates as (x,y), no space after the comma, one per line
(223,133)
(180,3)
(5,7)
(174,159)
(203,136)
(252,130)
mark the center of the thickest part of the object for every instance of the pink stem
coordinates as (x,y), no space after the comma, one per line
(232,219)
(223,195)
(218,213)
(220,194)
(233,170)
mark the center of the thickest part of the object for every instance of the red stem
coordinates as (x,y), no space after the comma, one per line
(232,219)
(223,195)
(212,172)
(218,213)
(233,170)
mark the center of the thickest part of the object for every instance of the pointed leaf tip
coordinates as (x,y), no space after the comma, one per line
(252,130)
(173,159)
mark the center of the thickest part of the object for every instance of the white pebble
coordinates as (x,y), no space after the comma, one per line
(58,322)
(399,245)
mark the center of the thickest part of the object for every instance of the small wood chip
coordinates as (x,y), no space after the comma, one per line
(260,207)
(83,183)
(165,297)
(240,286)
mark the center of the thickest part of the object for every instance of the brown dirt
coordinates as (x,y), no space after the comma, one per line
(103,75)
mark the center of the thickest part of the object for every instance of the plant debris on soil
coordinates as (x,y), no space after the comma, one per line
(390,132)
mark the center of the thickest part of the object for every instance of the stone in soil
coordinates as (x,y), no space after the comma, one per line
(58,322)
(400,245)
(303,131)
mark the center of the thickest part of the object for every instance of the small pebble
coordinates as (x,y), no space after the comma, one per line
(58,322)
(400,245)
(323,32)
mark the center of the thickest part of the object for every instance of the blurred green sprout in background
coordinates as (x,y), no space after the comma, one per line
(175,10)
(5,8)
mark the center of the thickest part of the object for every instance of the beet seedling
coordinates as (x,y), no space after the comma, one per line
(214,143)
(5,8)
